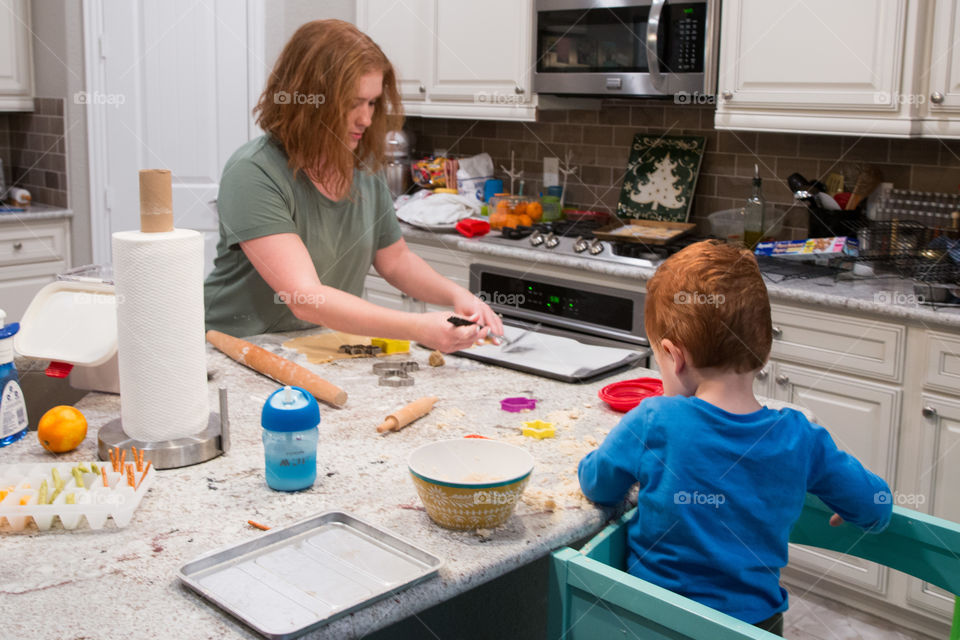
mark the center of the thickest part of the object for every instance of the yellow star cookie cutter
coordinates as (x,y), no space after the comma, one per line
(538,429)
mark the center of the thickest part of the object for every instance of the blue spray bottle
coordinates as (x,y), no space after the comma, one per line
(13,411)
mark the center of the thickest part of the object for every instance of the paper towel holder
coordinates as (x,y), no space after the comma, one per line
(172,454)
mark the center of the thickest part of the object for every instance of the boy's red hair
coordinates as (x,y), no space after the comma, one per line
(711,299)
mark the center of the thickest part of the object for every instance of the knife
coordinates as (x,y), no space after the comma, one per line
(507,344)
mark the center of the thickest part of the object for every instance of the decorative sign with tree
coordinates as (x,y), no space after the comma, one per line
(661,177)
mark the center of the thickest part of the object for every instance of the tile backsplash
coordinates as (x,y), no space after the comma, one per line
(33,149)
(600,142)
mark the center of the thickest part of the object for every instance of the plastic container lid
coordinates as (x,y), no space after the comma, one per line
(73,322)
(627,394)
(290,409)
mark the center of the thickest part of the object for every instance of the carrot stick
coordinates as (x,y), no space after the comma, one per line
(113,459)
(140,461)
(144,473)
(262,527)
(130,480)
(123,457)
(135,459)
(277,367)
(103,471)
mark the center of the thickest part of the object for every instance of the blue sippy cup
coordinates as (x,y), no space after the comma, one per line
(290,419)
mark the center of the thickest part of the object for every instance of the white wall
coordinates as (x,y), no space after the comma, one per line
(59,73)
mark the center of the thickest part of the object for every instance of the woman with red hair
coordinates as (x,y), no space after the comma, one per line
(304,213)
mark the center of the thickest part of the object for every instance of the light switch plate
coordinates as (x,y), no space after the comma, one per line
(551,172)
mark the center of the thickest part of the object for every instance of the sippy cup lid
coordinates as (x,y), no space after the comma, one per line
(290,409)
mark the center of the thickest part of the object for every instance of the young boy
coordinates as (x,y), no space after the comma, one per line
(721,479)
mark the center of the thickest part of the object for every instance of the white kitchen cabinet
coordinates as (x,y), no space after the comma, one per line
(862,417)
(404,31)
(457,58)
(31,256)
(942,99)
(821,66)
(16,57)
(937,480)
(382,293)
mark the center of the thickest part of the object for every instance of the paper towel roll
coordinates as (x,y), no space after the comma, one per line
(160,330)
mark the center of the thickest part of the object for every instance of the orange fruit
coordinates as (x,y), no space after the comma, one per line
(525,220)
(535,211)
(62,429)
(520,209)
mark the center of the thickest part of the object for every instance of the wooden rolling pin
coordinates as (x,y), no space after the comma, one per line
(277,367)
(405,415)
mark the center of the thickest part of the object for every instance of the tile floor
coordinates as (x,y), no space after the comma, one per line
(811,617)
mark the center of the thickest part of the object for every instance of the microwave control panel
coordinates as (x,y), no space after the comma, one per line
(687,31)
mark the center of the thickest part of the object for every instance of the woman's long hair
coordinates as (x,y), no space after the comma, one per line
(309,96)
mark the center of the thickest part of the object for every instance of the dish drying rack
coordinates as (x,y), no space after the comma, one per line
(914,234)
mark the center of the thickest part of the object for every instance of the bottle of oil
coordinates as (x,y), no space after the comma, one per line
(754,222)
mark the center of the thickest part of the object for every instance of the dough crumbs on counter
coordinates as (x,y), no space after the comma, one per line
(587,405)
(483,534)
(436,359)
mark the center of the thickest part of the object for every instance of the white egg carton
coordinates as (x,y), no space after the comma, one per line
(94,502)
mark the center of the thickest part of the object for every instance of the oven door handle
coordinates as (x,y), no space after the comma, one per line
(653,27)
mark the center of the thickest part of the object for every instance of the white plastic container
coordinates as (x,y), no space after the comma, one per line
(94,502)
(74,323)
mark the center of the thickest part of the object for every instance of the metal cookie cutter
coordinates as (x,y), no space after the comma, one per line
(395,378)
(405,366)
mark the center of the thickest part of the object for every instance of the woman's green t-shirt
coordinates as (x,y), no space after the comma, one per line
(259,197)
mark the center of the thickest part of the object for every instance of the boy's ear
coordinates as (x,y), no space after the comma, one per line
(675,353)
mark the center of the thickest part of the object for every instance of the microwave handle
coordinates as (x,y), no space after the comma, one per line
(653,26)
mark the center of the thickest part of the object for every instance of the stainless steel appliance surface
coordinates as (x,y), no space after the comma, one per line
(626,47)
(587,330)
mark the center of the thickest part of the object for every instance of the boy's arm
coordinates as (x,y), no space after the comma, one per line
(856,495)
(607,473)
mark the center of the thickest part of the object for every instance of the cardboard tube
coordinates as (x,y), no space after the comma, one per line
(405,415)
(277,367)
(156,201)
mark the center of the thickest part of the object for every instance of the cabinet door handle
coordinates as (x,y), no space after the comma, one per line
(727,95)
(17,245)
(777,332)
(422,89)
(929,412)
(518,89)
(762,375)
(783,380)
(936,97)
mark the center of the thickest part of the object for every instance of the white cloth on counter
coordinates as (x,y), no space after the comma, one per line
(437,209)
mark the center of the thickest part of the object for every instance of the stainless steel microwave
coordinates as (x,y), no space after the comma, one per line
(626,48)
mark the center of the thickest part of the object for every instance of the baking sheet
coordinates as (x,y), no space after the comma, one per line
(557,357)
(298,578)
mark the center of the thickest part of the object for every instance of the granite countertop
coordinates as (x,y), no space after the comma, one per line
(36,212)
(882,295)
(122,582)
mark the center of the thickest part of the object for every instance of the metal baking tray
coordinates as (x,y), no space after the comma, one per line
(298,578)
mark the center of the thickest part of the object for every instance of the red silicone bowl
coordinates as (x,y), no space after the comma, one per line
(625,395)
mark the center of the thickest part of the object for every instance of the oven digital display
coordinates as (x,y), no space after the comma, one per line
(566,302)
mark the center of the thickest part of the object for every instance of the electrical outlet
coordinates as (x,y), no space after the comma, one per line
(551,172)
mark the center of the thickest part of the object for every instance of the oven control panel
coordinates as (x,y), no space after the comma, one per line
(583,307)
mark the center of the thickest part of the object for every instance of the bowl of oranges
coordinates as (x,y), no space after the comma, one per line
(513,211)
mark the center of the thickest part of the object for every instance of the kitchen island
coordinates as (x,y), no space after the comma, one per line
(114,583)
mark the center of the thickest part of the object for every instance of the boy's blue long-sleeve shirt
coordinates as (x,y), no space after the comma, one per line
(719,493)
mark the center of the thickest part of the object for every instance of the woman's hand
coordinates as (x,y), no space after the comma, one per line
(473,308)
(434,331)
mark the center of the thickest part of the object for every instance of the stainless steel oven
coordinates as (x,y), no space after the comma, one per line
(585,313)
(626,47)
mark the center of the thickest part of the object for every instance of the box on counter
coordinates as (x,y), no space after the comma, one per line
(809,248)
